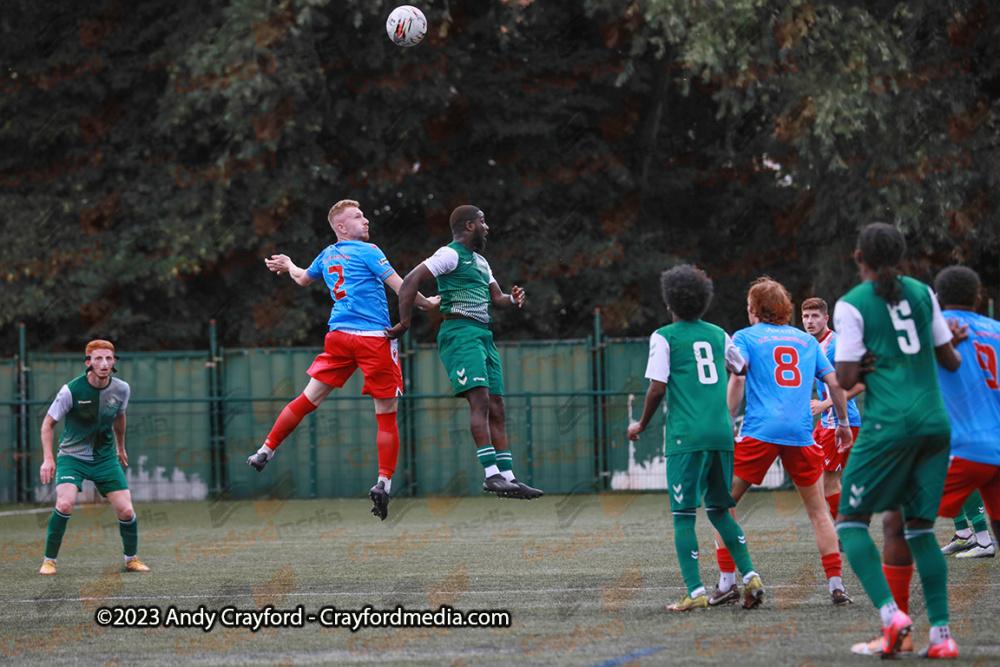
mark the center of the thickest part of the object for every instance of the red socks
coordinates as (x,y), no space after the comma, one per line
(831,565)
(388,444)
(833,500)
(899,577)
(726,562)
(290,417)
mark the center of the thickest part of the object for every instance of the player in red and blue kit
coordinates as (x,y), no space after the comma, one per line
(815,320)
(972,397)
(777,422)
(356,273)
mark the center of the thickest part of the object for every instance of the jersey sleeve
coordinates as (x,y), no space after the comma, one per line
(734,359)
(740,342)
(492,279)
(62,405)
(939,325)
(823,365)
(315,270)
(126,394)
(658,366)
(850,327)
(445,260)
(378,263)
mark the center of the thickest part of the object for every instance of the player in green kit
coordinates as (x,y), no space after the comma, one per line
(688,360)
(890,332)
(92,447)
(468,290)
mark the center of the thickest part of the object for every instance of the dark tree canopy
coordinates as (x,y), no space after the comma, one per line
(156,152)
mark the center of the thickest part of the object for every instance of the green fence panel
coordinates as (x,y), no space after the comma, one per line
(8,430)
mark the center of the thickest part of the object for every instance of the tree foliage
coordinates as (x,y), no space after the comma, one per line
(157,151)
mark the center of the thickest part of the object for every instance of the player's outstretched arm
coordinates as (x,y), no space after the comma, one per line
(48,460)
(501,300)
(948,357)
(394,282)
(654,395)
(407,295)
(283,264)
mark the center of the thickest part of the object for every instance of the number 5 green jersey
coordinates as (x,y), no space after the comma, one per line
(690,358)
(902,396)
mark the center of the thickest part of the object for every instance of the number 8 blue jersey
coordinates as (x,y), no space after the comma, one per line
(783,361)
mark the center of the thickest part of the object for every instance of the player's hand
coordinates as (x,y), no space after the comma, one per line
(959,331)
(123,457)
(867,365)
(432,303)
(395,332)
(634,429)
(278,263)
(517,294)
(816,407)
(845,438)
(47,471)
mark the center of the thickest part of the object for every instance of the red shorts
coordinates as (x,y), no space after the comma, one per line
(826,438)
(377,357)
(964,477)
(753,458)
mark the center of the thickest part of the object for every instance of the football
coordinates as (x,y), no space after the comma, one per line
(406,25)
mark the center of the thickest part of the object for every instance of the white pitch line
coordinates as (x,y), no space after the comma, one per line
(35,511)
(119,598)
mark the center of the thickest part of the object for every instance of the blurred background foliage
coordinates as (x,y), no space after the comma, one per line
(155,152)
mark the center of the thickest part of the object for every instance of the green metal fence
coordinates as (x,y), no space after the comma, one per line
(195,416)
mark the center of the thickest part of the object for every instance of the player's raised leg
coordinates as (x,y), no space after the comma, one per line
(289,418)
(505,460)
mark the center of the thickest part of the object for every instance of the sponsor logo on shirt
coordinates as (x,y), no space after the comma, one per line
(384,260)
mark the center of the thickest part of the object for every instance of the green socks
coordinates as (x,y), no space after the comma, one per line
(732,537)
(57,528)
(865,561)
(130,535)
(686,544)
(488,458)
(933,571)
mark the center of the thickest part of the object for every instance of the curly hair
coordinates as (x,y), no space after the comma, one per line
(957,286)
(770,301)
(687,291)
(882,247)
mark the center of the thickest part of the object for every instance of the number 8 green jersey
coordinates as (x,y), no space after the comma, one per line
(690,357)
(902,396)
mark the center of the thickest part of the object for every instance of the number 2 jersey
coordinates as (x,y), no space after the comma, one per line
(783,361)
(355,271)
(902,397)
(972,393)
(690,358)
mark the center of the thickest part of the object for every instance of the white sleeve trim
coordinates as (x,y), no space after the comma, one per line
(128,394)
(62,405)
(939,325)
(445,260)
(850,328)
(658,366)
(734,359)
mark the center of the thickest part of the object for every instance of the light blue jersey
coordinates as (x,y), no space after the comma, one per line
(354,272)
(829,418)
(783,361)
(972,393)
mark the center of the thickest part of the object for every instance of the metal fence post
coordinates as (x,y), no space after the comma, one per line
(216,437)
(23,445)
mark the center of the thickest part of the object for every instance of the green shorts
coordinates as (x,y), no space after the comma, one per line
(693,475)
(906,474)
(469,356)
(107,475)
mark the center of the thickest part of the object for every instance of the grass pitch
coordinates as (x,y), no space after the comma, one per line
(585,579)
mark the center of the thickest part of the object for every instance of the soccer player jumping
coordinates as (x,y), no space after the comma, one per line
(690,358)
(465,342)
(783,361)
(890,332)
(356,273)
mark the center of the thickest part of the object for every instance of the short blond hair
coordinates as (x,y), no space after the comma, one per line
(339,207)
(99,345)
